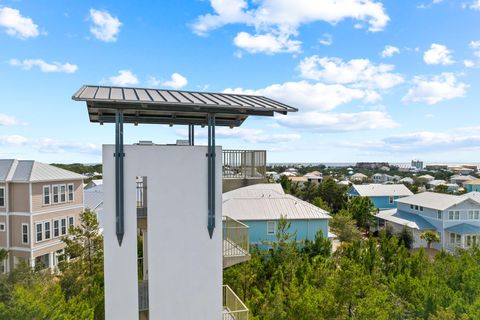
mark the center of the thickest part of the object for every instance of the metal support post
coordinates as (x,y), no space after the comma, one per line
(211,173)
(119,199)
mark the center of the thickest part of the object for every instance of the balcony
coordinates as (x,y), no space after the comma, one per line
(243,168)
(233,307)
(143,295)
(236,242)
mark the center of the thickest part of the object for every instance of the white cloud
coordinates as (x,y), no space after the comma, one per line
(468,63)
(105,27)
(48,145)
(177,81)
(438,54)
(425,142)
(308,96)
(6,120)
(153,82)
(276,21)
(28,64)
(389,51)
(124,78)
(475,5)
(326,40)
(266,43)
(360,73)
(475,45)
(249,135)
(338,122)
(17,25)
(431,91)
(13,139)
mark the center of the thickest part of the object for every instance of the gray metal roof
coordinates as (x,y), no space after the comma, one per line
(382,190)
(93,198)
(33,171)
(268,202)
(433,200)
(143,105)
(410,220)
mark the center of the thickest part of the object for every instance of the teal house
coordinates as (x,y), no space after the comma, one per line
(472,185)
(261,207)
(383,196)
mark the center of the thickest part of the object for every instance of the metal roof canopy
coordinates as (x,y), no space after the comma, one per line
(121,105)
(173,107)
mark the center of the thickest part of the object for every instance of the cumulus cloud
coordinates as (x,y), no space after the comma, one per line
(475,5)
(326,40)
(17,25)
(475,46)
(468,63)
(14,139)
(436,89)
(6,120)
(44,66)
(338,122)
(389,51)
(438,54)
(177,81)
(360,73)
(124,78)
(249,135)
(275,22)
(266,43)
(105,27)
(311,96)
(48,145)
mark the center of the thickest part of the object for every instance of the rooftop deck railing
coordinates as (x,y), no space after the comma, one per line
(244,164)
(233,307)
(143,295)
(141,199)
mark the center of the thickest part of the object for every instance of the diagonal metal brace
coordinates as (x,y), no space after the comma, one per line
(119,196)
(211,173)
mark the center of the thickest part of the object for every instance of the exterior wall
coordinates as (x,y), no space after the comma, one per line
(472,187)
(417,242)
(4,209)
(230,184)
(19,197)
(305,229)
(37,195)
(3,234)
(184,264)
(15,233)
(384,202)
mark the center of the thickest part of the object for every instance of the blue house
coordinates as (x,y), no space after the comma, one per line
(261,207)
(472,185)
(383,196)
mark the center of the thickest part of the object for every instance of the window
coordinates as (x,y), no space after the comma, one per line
(56,228)
(470,214)
(416,208)
(24,233)
(38,228)
(47,230)
(411,206)
(450,215)
(390,200)
(70,221)
(55,194)
(64,226)
(457,215)
(46,195)
(476,214)
(63,196)
(439,215)
(2,197)
(270,227)
(455,238)
(2,226)
(70,192)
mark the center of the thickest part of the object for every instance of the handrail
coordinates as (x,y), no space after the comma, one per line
(235,238)
(143,295)
(233,307)
(244,163)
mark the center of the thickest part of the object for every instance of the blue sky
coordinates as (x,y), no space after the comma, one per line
(374,80)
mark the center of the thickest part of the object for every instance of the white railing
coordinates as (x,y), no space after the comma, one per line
(233,307)
(244,164)
(236,242)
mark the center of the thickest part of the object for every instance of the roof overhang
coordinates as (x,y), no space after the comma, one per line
(173,107)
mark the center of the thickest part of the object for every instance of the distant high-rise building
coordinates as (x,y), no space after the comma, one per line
(417,164)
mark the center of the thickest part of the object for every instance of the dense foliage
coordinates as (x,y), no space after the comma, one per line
(80,168)
(372,279)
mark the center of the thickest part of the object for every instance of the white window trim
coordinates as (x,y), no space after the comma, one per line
(60,193)
(68,221)
(391,200)
(28,233)
(66,226)
(49,195)
(53,228)
(53,194)
(73,192)
(2,227)
(45,230)
(4,197)
(439,213)
(36,232)
(274,227)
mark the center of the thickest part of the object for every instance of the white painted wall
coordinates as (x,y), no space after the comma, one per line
(185,265)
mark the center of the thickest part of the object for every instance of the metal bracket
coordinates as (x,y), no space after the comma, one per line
(191,135)
(119,155)
(211,173)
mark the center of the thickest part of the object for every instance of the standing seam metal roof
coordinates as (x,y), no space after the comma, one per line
(145,105)
(33,171)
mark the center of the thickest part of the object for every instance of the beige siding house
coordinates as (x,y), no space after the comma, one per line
(38,203)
